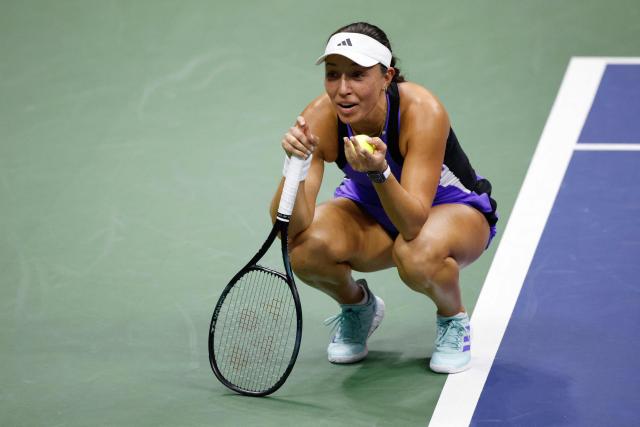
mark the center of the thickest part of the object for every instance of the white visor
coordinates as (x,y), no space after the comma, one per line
(361,49)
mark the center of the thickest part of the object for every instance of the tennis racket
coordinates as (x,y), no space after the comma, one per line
(256,326)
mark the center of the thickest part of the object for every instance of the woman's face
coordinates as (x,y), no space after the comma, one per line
(354,90)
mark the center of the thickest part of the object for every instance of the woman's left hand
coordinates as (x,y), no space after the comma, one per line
(362,160)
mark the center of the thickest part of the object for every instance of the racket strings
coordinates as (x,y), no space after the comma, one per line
(255,332)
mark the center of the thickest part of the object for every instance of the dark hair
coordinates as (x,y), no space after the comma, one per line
(377,34)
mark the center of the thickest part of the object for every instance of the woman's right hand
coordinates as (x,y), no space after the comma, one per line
(299,141)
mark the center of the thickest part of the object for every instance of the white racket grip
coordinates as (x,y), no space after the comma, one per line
(290,189)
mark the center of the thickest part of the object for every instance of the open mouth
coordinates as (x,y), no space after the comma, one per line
(346,107)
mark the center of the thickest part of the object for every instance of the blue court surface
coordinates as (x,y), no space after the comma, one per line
(569,353)
(615,113)
(571,340)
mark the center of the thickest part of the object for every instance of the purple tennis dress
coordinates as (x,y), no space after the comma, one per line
(458,181)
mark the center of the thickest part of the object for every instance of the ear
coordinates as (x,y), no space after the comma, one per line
(388,76)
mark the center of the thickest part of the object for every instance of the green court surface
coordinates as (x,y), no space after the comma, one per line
(139,149)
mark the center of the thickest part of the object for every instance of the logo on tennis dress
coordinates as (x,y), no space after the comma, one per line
(346,42)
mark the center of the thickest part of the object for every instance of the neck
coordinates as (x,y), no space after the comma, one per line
(373,124)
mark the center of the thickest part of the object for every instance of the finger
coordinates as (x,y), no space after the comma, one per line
(301,122)
(359,149)
(304,139)
(300,136)
(348,146)
(315,140)
(377,143)
(295,143)
(294,147)
(350,150)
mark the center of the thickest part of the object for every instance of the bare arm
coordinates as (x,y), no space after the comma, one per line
(311,133)
(304,208)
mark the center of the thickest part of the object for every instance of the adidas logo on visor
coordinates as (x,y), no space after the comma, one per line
(367,51)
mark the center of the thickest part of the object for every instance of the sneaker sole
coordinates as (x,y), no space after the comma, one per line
(449,370)
(377,319)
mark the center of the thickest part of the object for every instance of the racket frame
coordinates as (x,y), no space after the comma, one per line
(281,225)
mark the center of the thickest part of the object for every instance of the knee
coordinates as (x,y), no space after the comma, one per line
(419,265)
(309,252)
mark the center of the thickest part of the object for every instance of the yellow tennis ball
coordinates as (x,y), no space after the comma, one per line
(363,141)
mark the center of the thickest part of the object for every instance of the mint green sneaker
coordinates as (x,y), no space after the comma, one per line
(352,327)
(453,345)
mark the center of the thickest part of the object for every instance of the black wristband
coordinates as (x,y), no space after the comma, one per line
(379,177)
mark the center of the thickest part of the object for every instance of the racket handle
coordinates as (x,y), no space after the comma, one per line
(290,189)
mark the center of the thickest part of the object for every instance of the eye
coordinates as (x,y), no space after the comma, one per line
(331,75)
(358,74)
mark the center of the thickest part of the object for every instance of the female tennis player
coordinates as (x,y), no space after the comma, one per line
(414,203)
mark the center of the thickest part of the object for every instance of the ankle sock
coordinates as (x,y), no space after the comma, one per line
(365,298)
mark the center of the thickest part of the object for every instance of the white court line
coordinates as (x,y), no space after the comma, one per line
(508,270)
(611,60)
(607,147)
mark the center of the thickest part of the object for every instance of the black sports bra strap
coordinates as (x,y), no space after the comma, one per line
(393,127)
(343,132)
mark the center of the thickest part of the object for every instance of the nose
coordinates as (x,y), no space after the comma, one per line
(344,88)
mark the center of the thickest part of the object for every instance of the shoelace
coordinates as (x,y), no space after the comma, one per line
(450,334)
(344,325)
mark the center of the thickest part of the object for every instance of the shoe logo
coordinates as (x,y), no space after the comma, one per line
(346,42)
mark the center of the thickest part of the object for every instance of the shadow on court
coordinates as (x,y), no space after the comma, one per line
(278,403)
(387,369)
(391,382)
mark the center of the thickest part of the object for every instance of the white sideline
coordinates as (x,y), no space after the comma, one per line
(607,147)
(508,270)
